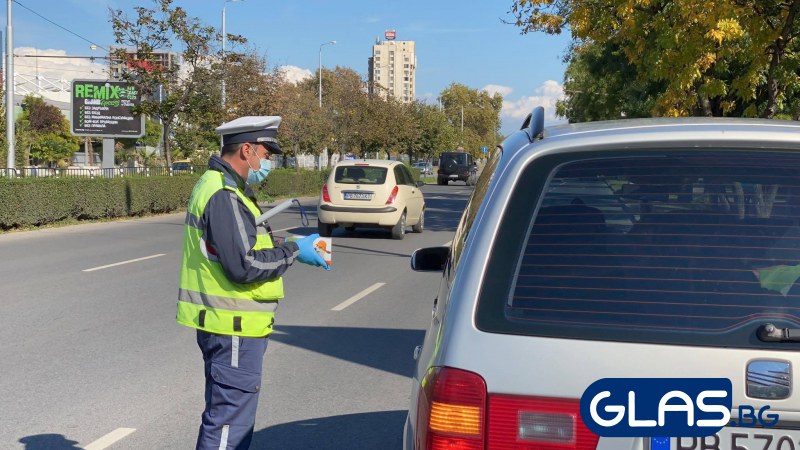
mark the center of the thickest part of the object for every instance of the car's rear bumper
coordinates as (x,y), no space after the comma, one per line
(359,209)
(382,216)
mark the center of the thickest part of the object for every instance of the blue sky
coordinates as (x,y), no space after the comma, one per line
(456,41)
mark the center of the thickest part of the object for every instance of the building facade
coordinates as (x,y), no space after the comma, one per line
(121,60)
(393,69)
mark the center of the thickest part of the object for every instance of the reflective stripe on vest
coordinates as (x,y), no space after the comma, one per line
(207,299)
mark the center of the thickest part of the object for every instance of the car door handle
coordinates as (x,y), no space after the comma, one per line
(433,310)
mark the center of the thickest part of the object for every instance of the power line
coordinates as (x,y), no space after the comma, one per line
(59,26)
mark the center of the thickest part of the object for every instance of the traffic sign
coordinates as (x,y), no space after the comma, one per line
(105,109)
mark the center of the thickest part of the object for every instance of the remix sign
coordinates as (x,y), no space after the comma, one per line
(105,109)
(666,407)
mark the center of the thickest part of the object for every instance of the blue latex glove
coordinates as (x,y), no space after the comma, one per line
(308,254)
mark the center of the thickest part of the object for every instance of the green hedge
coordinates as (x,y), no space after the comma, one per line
(40,201)
(28,202)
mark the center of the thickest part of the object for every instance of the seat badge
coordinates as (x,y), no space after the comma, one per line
(769,379)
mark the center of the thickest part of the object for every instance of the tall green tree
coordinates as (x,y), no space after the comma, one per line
(305,128)
(43,134)
(714,57)
(167,89)
(601,84)
(479,111)
(436,134)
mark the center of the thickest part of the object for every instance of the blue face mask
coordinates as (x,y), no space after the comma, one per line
(257,176)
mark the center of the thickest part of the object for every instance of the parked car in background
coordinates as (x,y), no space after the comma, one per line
(648,248)
(456,166)
(425,167)
(371,193)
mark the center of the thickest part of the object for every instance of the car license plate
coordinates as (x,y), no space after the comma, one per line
(453,176)
(741,439)
(358,195)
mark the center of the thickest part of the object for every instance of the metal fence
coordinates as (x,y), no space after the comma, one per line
(94,172)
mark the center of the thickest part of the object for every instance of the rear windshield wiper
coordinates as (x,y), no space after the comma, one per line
(770,333)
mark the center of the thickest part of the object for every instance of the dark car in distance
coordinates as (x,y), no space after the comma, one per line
(456,166)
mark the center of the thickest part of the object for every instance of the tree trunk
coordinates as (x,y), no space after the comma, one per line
(773,87)
(165,142)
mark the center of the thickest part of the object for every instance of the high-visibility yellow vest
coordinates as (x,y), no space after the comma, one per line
(207,299)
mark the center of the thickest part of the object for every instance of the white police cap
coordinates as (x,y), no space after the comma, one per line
(261,129)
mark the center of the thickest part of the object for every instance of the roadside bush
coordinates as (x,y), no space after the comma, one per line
(26,202)
(40,201)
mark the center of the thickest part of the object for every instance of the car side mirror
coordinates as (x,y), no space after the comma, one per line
(420,183)
(429,259)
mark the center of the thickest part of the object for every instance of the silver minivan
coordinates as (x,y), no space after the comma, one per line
(635,249)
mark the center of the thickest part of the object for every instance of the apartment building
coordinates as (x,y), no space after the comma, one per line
(393,68)
(158,59)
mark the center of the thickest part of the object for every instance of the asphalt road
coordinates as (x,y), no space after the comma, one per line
(92,357)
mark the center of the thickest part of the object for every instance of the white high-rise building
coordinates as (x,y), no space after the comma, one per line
(393,69)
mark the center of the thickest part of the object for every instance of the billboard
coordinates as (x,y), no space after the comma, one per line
(389,35)
(105,109)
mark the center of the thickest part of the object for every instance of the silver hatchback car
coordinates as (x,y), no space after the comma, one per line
(636,249)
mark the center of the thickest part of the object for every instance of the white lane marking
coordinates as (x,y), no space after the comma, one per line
(282,229)
(109,439)
(357,297)
(123,262)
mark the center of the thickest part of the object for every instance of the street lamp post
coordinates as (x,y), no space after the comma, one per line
(224,37)
(9,91)
(320,70)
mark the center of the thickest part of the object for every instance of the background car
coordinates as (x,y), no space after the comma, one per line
(652,248)
(425,167)
(371,193)
(456,166)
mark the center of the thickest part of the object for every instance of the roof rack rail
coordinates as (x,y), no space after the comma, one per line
(534,124)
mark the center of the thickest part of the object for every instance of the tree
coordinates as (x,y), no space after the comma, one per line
(167,88)
(305,127)
(713,57)
(43,133)
(251,87)
(480,113)
(436,134)
(601,84)
(345,101)
(134,148)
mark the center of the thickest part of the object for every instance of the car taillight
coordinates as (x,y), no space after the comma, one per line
(325,196)
(392,196)
(451,410)
(537,423)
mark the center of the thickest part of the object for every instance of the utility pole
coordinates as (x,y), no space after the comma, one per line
(9,91)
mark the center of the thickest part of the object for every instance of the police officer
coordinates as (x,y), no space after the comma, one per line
(230,280)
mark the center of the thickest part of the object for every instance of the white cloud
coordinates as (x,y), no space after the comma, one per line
(546,95)
(497,89)
(295,74)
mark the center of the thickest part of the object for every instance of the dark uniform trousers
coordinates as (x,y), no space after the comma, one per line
(233,380)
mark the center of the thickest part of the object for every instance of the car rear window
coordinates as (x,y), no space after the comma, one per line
(453,158)
(687,248)
(360,175)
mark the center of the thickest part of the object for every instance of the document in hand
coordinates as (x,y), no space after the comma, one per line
(323,246)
